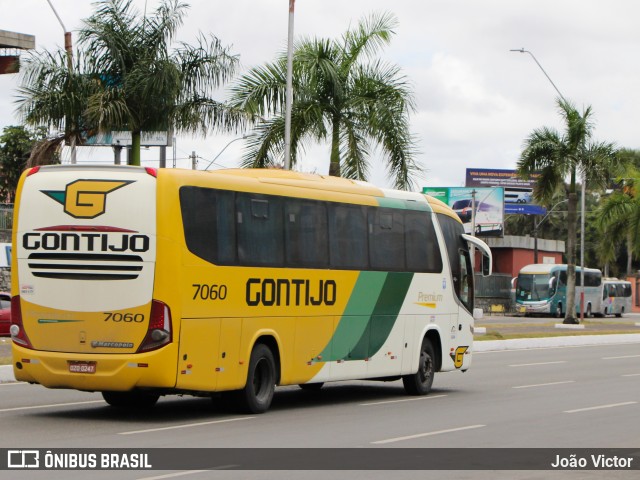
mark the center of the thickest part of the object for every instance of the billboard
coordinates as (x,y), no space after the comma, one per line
(489,207)
(147,139)
(518,193)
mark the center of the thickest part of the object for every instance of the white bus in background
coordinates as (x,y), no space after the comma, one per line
(542,289)
(615,297)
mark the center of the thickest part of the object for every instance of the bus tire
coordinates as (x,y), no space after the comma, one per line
(132,400)
(618,315)
(420,382)
(311,387)
(558,312)
(257,394)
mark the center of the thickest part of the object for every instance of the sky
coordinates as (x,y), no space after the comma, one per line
(476,101)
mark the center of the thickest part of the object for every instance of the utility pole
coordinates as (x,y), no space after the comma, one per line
(289,90)
(117,150)
(194,161)
(69,49)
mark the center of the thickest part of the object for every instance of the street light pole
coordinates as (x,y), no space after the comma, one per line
(69,49)
(225,147)
(536,225)
(522,50)
(289,92)
(584,181)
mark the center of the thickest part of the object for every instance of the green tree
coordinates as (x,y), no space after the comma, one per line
(341,93)
(561,156)
(618,217)
(16,144)
(127,77)
(53,95)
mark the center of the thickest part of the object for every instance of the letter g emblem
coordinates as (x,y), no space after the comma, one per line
(86,198)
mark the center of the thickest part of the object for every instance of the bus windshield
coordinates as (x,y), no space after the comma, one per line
(533,287)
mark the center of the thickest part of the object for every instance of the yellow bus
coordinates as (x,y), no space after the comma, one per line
(137,282)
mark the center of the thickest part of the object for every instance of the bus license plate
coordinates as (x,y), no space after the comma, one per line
(82,367)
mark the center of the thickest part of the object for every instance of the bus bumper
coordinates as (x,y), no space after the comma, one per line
(533,308)
(99,372)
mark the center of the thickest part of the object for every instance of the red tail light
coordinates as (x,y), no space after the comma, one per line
(18,335)
(151,171)
(159,332)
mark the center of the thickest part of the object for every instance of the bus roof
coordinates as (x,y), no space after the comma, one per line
(542,268)
(288,182)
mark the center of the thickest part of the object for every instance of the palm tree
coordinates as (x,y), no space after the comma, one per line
(341,93)
(136,82)
(55,96)
(558,156)
(618,217)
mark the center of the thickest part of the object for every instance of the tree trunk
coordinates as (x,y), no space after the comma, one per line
(334,166)
(570,315)
(135,148)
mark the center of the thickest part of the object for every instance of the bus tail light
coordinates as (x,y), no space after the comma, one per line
(18,335)
(159,332)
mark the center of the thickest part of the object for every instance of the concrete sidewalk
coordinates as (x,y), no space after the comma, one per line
(6,371)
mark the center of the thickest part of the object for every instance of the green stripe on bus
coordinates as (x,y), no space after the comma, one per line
(365,326)
(356,316)
(384,315)
(404,204)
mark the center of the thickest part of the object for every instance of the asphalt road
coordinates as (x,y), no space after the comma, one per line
(581,397)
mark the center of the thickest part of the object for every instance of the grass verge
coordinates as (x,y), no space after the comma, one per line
(497,335)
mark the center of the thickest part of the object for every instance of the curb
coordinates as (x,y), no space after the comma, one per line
(552,342)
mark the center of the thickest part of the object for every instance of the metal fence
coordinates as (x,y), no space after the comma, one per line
(6,216)
(493,293)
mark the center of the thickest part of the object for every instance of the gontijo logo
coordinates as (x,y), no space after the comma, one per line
(86,198)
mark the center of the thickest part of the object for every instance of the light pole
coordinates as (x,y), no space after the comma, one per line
(536,225)
(225,147)
(68,48)
(289,92)
(522,50)
(584,182)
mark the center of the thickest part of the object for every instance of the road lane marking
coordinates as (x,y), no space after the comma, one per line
(187,472)
(618,358)
(612,405)
(428,434)
(545,384)
(632,375)
(15,409)
(12,383)
(186,425)
(385,402)
(536,364)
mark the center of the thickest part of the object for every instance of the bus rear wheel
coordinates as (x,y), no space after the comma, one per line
(420,382)
(131,400)
(257,394)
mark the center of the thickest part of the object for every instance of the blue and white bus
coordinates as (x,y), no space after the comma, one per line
(542,289)
(615,297)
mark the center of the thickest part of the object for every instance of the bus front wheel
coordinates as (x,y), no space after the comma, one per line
(257,394)
(420,382)
(558,312)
